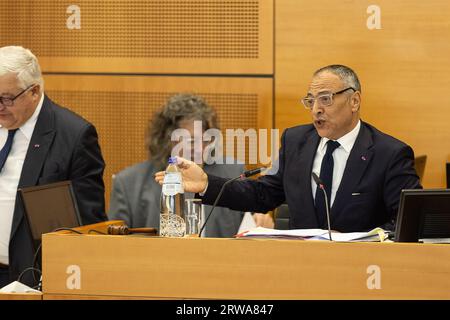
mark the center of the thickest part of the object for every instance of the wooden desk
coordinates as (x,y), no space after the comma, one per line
(20,296)
(176,268)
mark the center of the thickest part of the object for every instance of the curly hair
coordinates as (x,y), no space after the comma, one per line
(177,108)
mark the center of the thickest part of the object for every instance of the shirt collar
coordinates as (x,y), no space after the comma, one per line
(28,127)
(346,141)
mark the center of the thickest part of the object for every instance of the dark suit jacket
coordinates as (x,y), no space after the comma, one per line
(378,168)
(63,146)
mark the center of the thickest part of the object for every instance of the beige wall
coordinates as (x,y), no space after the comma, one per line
(128,57)
(404,67)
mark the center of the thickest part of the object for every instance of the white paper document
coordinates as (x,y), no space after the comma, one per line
(294,233)
(435,240)
(247,223)
(376,234)
(18,287)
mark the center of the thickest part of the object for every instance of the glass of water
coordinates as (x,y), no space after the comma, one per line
(193,217)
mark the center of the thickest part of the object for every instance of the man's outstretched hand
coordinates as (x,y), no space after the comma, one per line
(194,178)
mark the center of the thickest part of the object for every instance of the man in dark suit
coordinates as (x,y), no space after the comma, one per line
(362,169)
(40,143)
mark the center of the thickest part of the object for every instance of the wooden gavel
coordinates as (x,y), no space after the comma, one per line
(124,230)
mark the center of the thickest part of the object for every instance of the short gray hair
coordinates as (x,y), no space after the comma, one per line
(22,62)
(347,75)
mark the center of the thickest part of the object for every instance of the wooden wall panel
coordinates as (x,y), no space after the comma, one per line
(404,67)
(121,106)
(142,36)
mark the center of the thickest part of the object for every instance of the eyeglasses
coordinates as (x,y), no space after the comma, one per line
(324,100)
(7,102)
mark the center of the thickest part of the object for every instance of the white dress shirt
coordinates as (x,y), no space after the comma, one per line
(340,156)
(10,175)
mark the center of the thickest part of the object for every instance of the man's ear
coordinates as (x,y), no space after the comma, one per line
(36,90)
(355,101)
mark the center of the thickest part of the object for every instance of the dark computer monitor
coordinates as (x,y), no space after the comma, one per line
(423,214)
(49,207)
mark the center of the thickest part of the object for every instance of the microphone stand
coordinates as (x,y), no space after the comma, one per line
(327,208)
(321,187)
(215,202)
(246,174)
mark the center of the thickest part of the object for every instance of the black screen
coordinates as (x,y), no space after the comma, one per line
(423,214)
(49,207)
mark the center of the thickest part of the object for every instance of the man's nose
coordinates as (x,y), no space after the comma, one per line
(316,108)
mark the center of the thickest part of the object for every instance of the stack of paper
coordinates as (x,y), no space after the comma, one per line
(435,240)
(376,234)
(18,287)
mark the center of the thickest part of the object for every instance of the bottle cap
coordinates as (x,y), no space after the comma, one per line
(172,160)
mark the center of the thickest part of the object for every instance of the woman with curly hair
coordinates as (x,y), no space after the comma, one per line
(135,196)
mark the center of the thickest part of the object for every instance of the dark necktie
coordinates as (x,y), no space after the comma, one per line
(326,175)
(6,148)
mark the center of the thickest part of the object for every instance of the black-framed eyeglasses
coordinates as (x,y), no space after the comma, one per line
(8,102)
(324,99)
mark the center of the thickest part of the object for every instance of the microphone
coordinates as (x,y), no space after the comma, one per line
(252,172)
(322,187)
(245,174)
(125,230)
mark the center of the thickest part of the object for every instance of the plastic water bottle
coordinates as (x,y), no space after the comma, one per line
(171,222)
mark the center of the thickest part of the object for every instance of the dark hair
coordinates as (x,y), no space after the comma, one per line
(177,108)
(347,75)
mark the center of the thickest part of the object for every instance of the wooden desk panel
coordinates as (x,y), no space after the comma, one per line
(243,269)
(21,296)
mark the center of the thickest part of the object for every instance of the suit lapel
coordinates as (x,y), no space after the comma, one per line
(357,163)
(41,140)
(307,153)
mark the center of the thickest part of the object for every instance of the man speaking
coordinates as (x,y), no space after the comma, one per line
(362,169)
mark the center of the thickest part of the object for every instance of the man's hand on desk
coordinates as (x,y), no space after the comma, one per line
(264,220)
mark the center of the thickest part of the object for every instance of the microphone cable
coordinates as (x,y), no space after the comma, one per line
(246,174)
